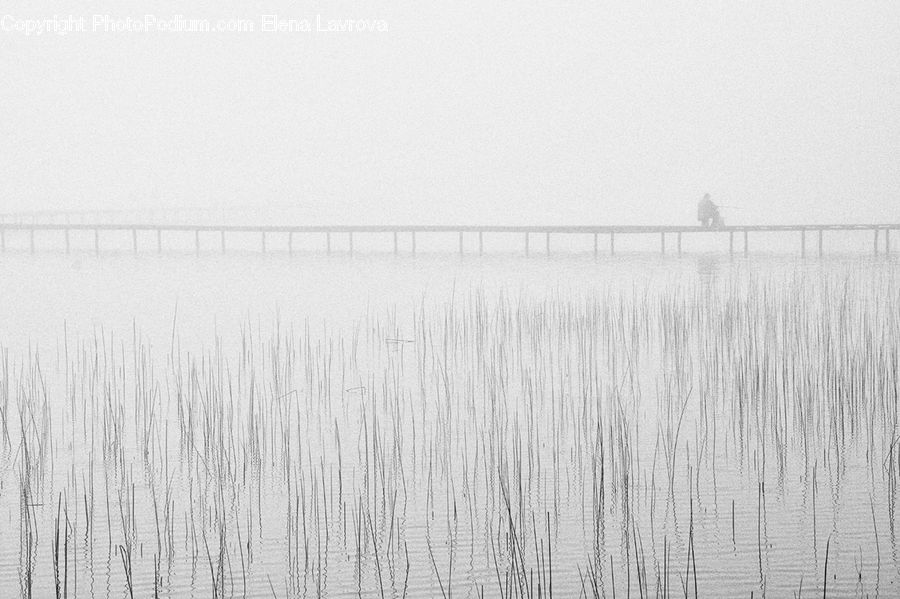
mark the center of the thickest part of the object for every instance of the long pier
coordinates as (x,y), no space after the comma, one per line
(881,233)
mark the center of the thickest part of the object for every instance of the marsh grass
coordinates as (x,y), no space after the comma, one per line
(649,442)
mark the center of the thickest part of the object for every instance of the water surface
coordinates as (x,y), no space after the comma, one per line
(298,426)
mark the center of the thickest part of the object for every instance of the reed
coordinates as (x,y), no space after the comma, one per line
(523,447)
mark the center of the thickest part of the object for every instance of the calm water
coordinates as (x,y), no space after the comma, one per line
(274,426)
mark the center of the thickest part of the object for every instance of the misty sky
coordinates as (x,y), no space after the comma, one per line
(464,112)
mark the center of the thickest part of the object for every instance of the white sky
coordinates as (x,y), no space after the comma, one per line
(464,112)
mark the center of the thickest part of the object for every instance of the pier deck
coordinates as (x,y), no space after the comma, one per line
(608,232)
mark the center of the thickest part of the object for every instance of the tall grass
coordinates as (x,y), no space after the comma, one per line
(648,442)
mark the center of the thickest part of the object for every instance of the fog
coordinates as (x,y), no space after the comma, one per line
(350,402)
(462,112)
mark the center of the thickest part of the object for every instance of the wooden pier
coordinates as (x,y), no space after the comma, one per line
(880,233)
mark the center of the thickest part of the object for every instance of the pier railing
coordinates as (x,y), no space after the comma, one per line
(881,233)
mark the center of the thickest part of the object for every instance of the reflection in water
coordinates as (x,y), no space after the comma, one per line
(708,268)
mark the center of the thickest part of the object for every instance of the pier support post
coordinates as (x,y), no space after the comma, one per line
(413,243)
(876,242)
(290,243)
(396,246)
(548,243)
(350,239)
(134,241)
(67,241)
(96,242)
(662,243)
(197,241)
(481,243)
(159,241)
(328,243)
(803,243)
(222,235)
(887,242)
(31,241)
(596,245)
(612,243)
(460,244)
(746,243)
(263,241)
(731,243)
(820,243)
(527,249)
(679,243)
